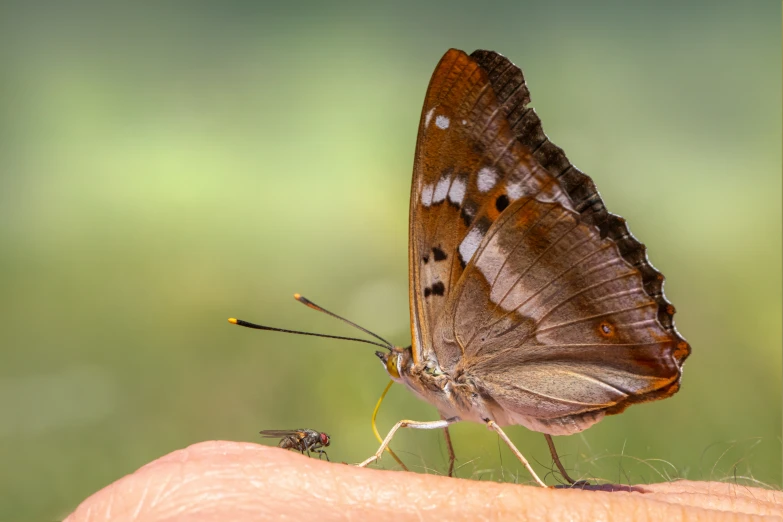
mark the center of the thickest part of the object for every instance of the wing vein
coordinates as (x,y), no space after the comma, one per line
(596,316)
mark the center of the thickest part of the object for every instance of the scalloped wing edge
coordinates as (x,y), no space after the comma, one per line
(509,84)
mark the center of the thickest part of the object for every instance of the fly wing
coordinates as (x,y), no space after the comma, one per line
(276,434)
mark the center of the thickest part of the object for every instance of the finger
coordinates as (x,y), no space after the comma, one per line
(216,481)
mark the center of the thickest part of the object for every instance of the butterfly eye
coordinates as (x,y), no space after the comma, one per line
(391,366)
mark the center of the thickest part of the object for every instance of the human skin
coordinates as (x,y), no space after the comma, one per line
(222,481)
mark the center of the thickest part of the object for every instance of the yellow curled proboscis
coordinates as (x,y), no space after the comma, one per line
(375,428)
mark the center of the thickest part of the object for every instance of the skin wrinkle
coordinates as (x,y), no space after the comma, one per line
(725,504)
(111,502)
(142,501)
(160,495)
(768,498)
(250,482)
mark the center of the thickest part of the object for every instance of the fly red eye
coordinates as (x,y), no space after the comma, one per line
(324,439)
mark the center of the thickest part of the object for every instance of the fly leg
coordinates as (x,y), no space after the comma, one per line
(315,447)
(322,452)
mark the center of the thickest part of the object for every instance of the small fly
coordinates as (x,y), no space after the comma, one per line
(302,440)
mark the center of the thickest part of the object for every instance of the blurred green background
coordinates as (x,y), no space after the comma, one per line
(165,167)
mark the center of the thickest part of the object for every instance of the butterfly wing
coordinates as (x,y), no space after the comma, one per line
(508,82)
(469,166)
(554,325)
(554,308)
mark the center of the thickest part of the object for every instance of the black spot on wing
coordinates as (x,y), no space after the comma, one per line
(438,254)
(425,259)
(436,289)
(501,203)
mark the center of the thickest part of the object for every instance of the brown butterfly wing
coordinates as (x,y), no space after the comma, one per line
(512,93)
(469,166)
(555,325)
(572,265)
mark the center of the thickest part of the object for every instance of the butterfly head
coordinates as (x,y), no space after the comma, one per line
(397,361)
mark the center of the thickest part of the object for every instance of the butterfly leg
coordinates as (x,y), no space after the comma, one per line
(493,426)
(431,425)
(450,449)
(559,464)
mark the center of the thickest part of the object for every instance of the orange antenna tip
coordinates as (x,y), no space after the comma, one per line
(305,301)
(232,320)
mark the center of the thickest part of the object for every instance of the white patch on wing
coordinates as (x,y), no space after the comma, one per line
(469,245)
(487,178)
(514,191)
(426,195)
(492,259)
(464,122)
(442,122)
(441,189)
(457,191)
(428,117)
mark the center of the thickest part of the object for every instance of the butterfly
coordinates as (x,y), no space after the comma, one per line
(530,303)
(303,440)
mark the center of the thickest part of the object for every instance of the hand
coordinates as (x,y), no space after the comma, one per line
(230,481)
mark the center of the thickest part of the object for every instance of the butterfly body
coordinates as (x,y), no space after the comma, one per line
(462,397)
(530,303)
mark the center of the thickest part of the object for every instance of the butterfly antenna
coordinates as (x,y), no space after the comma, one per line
(314,306)
(247,324)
